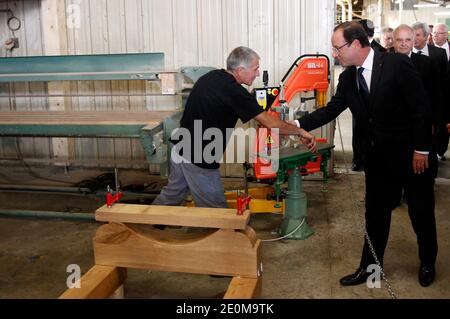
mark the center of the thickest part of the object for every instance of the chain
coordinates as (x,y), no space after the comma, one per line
(361,219)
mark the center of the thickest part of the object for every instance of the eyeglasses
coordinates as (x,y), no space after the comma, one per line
(336,50)
(439,32)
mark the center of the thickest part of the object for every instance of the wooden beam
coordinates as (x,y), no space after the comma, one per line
(98,283)
(215,252)
(54,37)
(223,218)
(244,288)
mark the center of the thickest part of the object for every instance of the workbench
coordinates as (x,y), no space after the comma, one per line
(152,128)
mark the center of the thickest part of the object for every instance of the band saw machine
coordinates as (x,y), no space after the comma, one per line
(276,159)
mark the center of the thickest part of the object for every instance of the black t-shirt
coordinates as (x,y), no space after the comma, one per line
(216,101)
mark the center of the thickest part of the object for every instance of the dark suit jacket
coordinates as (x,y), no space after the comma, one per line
(433,87)
(441,63)
(395,123)
(376,46)
(439,56)
(447,100)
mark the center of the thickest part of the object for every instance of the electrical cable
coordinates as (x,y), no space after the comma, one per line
(287,235)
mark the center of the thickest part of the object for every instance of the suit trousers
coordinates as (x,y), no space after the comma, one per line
(384,181)
(442,139)
(357,143)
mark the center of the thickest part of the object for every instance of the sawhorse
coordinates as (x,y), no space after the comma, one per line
(227,246)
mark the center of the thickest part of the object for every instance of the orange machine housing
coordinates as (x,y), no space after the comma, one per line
(307,73)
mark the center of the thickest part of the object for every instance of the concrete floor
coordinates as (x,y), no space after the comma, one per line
(34,253)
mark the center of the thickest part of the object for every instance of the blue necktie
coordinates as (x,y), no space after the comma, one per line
(363,86)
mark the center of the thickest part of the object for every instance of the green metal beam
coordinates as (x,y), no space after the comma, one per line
(130,66)
(46,214)
(72,130)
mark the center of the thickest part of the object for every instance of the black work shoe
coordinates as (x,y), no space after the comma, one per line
(359,277)
(426,275)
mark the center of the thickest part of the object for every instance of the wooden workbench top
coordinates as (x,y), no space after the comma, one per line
(173,215)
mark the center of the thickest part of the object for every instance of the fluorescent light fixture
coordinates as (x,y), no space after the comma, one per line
(427,5)
(442,13)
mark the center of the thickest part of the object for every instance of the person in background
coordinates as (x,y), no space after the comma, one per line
(386,39)
(430,37)
(440,40)
(422,184)
(440,62)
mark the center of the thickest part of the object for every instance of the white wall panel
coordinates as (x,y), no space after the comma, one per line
(235,24)
(210,24)
(186,31)
(261,33)
(287,39)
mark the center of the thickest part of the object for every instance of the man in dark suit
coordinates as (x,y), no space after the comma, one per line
(440,40)
(439,59)
(387,99)
(404,39)
(357,132)
(422,183)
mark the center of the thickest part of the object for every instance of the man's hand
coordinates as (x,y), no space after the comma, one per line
(420,163)
(308,139)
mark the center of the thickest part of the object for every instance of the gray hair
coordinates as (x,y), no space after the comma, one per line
(403,27)
(441,25)
(421,25)
(386,30)
(240,57)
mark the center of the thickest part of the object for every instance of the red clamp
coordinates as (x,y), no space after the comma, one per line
(242,203)
(112,198)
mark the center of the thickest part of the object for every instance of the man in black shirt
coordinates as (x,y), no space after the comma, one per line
(215,104)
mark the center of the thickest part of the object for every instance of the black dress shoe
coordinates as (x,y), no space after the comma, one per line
(426,275)
(359,277)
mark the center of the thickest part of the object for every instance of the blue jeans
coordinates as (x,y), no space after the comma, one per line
(204,184)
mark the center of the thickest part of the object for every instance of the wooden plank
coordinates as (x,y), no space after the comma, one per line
(100,45)
(219,252)
(86,148)
(98,283)
(54,36)
(173,215)
(22,147)
(244,288)
(117,44)
(134,43)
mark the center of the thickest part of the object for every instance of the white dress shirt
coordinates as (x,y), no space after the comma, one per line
(424,50)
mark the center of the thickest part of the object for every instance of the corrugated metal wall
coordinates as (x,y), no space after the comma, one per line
(189,32)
